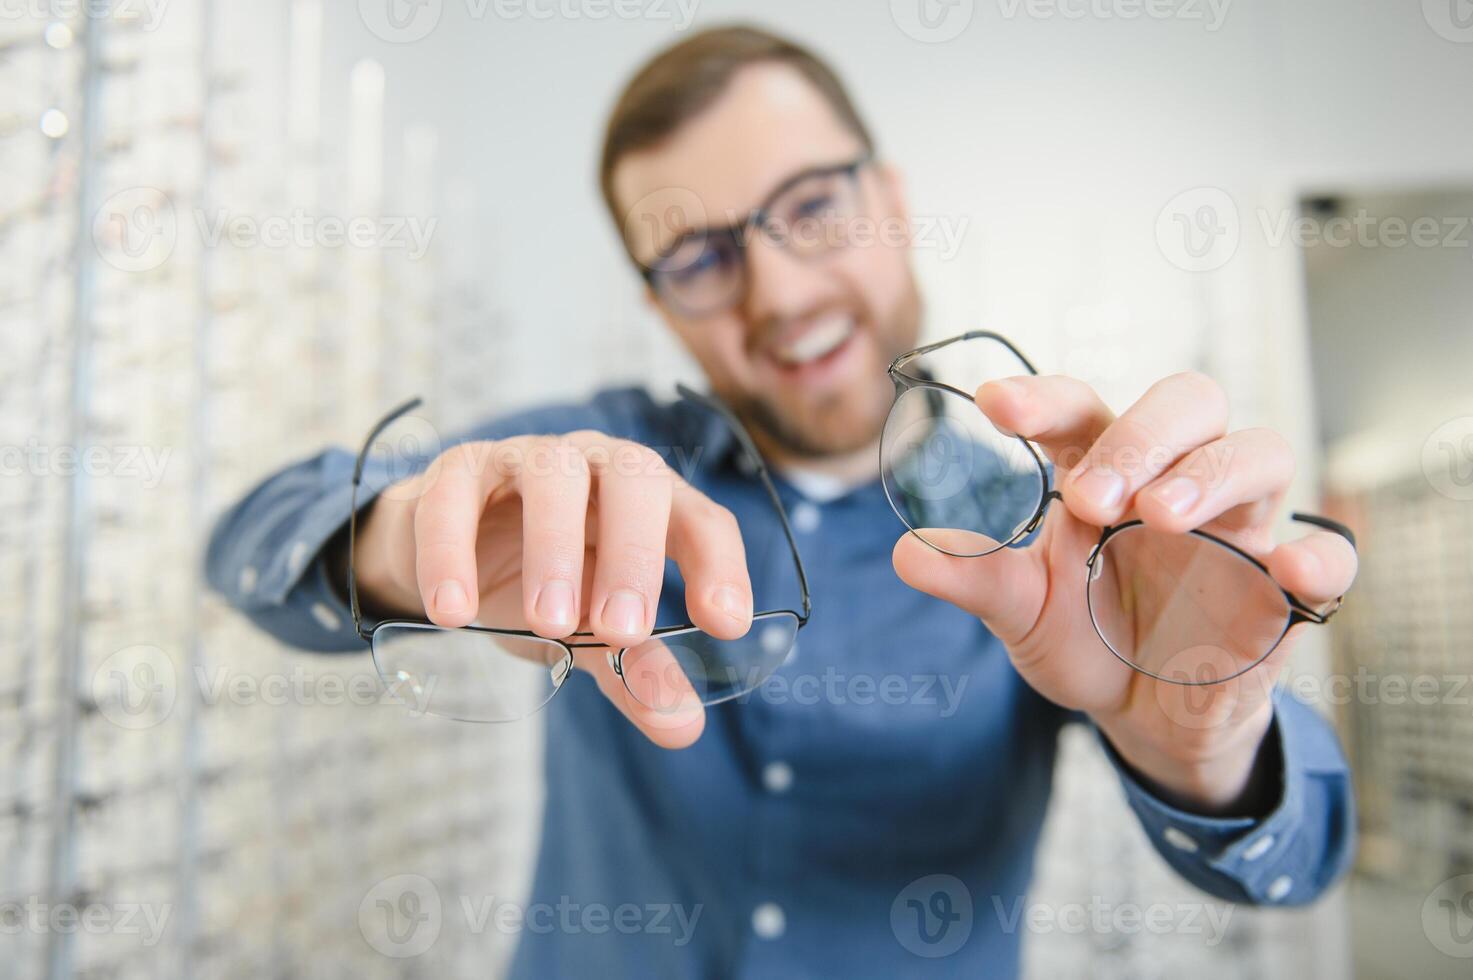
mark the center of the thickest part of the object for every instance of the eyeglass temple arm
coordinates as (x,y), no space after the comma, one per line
(358,464)
(1326,523)
(909,356)
(762,474)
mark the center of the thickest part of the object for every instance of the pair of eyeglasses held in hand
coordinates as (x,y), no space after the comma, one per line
(485,674)
(1192,608)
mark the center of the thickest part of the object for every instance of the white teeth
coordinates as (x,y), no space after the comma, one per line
(816,342)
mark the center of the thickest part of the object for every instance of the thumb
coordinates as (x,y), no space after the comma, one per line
(1005,589)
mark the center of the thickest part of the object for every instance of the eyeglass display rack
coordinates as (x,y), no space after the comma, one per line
(251,826)
(1410,739)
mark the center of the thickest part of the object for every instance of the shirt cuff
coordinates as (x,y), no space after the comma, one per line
(1264,857)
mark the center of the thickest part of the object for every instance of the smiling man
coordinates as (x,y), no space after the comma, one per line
(847,782)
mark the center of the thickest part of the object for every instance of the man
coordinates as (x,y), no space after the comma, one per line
(795,825)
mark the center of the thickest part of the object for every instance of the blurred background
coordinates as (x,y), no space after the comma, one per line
(222,223)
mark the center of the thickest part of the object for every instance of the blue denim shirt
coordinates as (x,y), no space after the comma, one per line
(877,803)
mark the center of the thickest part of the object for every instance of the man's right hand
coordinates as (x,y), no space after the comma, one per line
(558,534)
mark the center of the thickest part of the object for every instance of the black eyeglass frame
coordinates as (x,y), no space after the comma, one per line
(737,233)
(905,382)
(1299,610)
(366,633)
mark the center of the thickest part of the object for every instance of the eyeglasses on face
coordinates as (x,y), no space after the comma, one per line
(810,215)
(1190,609)
(486,674)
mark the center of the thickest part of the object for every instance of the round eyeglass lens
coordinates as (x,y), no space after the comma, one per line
(1182,607)
(947,468)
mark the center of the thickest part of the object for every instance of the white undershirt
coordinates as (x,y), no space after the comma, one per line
(817,486)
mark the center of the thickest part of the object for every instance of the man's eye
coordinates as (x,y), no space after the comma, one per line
(683,270)
(815,205)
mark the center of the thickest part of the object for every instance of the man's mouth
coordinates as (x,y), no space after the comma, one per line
(815,342)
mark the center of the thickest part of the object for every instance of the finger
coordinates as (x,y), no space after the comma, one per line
(1317,568)
(706,543)
(633,490)
(1063,415)
(554,485)
(446,521)
(677,717)
(1173,417)
(1245,471)
(1005,590)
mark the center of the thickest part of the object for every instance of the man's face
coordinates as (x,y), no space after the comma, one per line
(801,356)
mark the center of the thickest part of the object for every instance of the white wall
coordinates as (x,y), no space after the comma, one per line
(1057,140)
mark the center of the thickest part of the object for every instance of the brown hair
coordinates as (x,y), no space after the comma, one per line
(684,79)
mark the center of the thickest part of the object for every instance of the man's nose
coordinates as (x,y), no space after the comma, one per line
(780,286)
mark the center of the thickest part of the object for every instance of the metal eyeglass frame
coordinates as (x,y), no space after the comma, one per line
(562,671)
(1299,610)
(737,234)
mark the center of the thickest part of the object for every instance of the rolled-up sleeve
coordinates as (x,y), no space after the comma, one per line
(1291,855)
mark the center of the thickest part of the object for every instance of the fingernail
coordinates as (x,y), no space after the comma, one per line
(555,602)
(729,601)
(1178,494)
(1101,485)
(450,597)
(624,612)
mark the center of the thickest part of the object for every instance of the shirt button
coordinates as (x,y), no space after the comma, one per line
(325,617)
(1180,840)
(806,518)
(1279,888)
(297,557)
(777,777)
(1258,848)
(768,921)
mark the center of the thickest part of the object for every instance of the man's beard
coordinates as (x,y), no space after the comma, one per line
(804,441)
(816,441)
(808,442)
